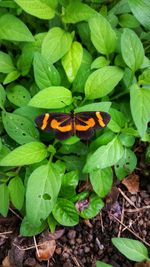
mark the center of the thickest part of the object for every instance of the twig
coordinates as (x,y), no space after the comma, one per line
(75,260)
(5,233)
(137,209)
(30,247)
(146,243)
(123,194)
(101,247)
(122,218)
(36,247)
(101,219)
(17,215)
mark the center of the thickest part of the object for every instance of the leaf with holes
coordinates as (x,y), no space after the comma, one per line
(42,190)
(126,164)
(18,95)
(19,128)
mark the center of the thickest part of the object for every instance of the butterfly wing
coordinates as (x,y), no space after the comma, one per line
(59,123)
(87,122)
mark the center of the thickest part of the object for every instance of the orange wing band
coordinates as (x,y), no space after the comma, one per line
(45,121)
(56,125)
(100,119)
(90,123)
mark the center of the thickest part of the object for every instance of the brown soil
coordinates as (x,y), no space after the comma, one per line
(125,214)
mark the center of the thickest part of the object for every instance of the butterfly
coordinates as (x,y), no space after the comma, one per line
(64,125)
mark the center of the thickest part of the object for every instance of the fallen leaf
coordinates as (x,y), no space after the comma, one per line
(142,264)
(46,250)
(132,183)
(6,262)
(112,197)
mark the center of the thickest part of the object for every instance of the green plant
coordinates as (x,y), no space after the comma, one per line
(132,249)
(56,56)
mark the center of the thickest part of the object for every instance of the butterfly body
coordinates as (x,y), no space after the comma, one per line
(64,125)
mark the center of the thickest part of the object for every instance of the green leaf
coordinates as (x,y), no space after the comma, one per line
(56,44)
(4,199)
(102,35)
(78,148)
(103,139)
(94,207)
(18,95)
(102,81)
(52,223)
(52,97)
(105,156)
(128,21)
(99,62)
(13,29)
(12,76)
(102,264)
(25,155)
(132,49)
(27,229)
(98,106)
(72,60)
(132,249)
(140,112)
(65,212)
(2,97)
(6,63)
(42,9)
(127,139)
(19,128)
(101,181)
(76,11)
(16,191)
(83,72)
(141,10)
(117,121)
(126,164)
(144,78)
(69,183)
(42,190)
(44,72)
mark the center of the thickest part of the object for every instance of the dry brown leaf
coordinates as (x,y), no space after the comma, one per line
(46,250)
(132,183)
(6,262)
(142,264)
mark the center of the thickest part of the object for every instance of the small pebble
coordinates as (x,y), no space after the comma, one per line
(71,234)
(86,249)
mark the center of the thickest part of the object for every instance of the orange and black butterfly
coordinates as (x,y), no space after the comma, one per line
(64,125)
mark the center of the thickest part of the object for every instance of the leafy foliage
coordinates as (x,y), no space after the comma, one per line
(58,56)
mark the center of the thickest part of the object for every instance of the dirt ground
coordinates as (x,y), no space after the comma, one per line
(126,214)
